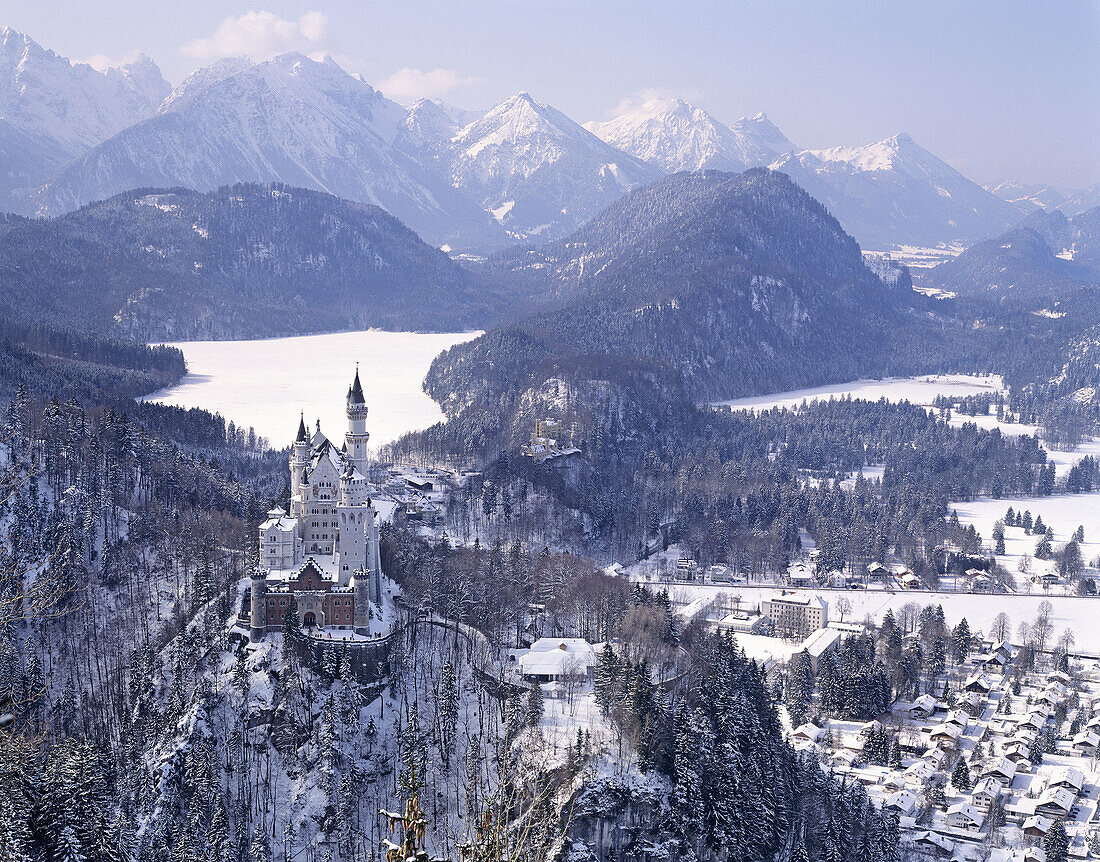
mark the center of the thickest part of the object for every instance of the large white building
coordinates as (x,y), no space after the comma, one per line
(796,614)
(322,555)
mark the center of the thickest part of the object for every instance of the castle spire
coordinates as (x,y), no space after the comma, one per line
(303,435)
(355,391)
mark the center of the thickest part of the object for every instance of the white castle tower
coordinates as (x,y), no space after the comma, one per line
(355,519)
(357,438)
(299,463)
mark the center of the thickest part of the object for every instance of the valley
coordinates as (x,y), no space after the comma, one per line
(429,438)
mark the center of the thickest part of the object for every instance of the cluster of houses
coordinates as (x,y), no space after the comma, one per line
(1031,759)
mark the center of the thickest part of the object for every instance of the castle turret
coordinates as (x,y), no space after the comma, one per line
(258,621)
(357,437)
(351,518)
(299,463)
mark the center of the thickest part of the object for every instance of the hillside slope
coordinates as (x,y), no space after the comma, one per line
(1046,259)
(699,286)
(243,261)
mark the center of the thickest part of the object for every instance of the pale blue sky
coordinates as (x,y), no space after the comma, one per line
(1000,89)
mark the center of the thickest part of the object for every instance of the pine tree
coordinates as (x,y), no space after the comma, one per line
(241,675)
(961,641)
(960,776)
(1056,843)
(606,677)
(895,755)
(447,711)
(534,705)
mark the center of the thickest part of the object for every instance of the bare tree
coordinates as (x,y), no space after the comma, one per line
(1043,626)
(1001,628)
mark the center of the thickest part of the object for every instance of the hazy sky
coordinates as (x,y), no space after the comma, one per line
(1000,89)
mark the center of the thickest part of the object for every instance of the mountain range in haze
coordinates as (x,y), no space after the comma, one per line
(464,180)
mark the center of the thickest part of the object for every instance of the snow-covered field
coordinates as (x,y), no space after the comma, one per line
(265,383)
(1063,513)
(1078,613)
(917,390)
(920,257)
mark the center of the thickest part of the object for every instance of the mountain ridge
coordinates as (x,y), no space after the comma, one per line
(238,262)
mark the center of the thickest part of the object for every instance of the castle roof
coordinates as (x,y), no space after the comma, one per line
(303,435)
(355,391)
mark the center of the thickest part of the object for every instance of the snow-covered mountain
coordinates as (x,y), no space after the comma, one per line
(538,172)
(895,192)
(1027,196)
(201,79)
(52,110)
(428,132)
(292,120)
(1036,196)
(677,136)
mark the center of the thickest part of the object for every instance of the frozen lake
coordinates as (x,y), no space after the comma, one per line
(916,390)
(265,383)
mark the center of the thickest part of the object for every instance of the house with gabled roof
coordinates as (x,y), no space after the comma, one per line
(922,707)
(1069,777)
(1000,769)
(1037,826)
(903,802)
(979,682)
(986,792)
(1055,802)
(963,815)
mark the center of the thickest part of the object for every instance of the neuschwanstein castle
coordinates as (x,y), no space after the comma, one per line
(323,554)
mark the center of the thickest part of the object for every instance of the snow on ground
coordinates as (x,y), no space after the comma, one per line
(265,383)
(1063,513)
(1078,613)
(917,390)
(762,647)
(920,257)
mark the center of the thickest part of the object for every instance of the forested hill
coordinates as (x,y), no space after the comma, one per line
(709,285)
(734,283)
(242,261)
(59,363)
(1048,259)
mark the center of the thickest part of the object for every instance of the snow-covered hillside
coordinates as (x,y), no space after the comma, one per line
(895,191)
(677,136)
(539,173)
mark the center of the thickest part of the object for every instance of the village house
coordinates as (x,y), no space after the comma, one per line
(986,792)
(945,736)
(686,570)
(1067,776)
(557,659)
(1001,769)
(810,733)
(903,802)
(963,815)
(922,707)
(1055,802)
(1085,743)
(919,773)
(939,844)
(972,703)
(1037,826)
(978,683)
